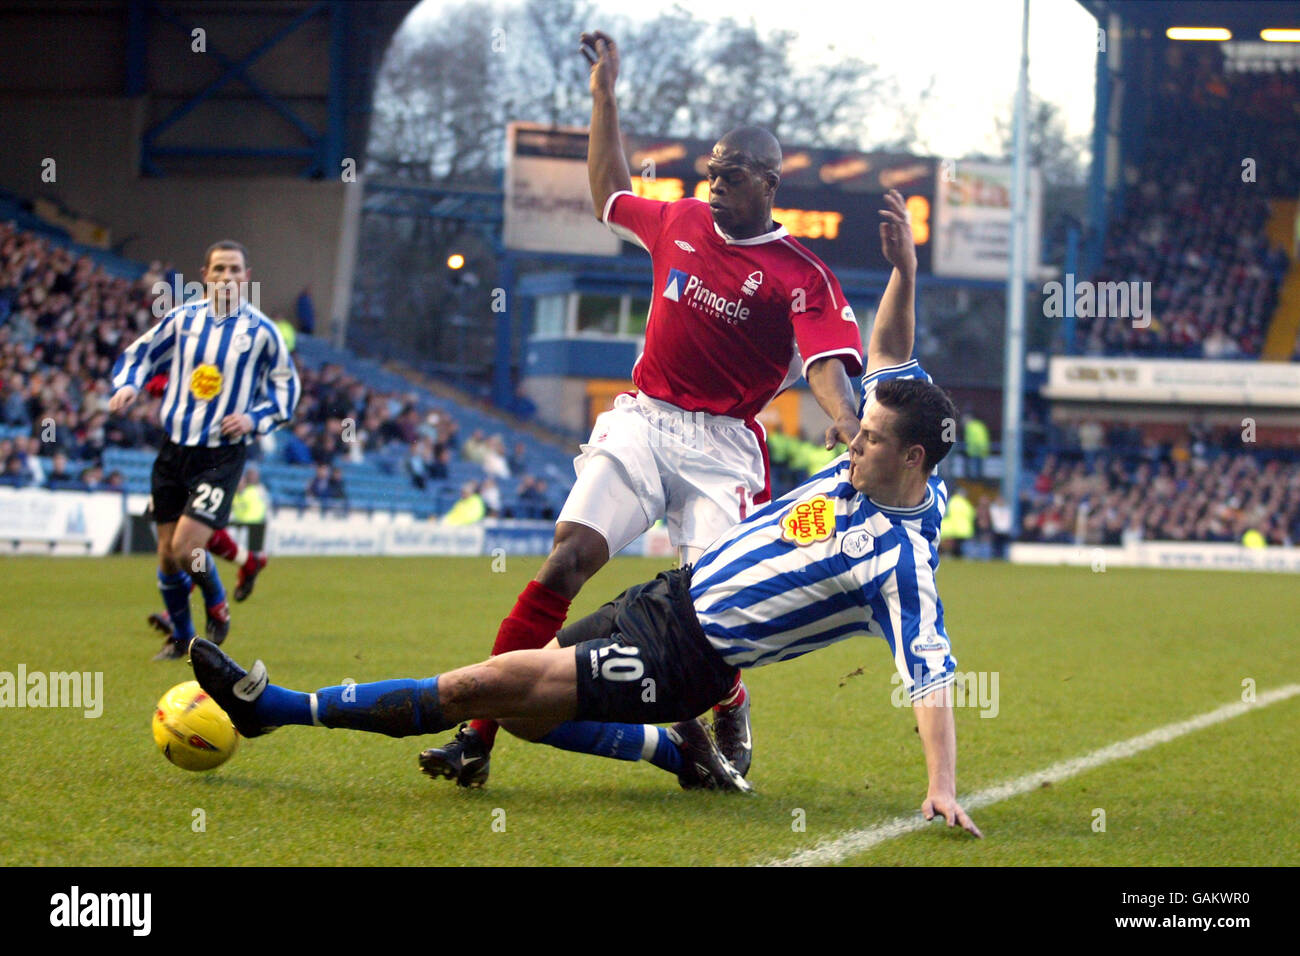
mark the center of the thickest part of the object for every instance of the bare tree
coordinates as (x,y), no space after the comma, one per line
(1053,150)
(548,75)
(439,100)
(661,75)
(446,92)
(448,88)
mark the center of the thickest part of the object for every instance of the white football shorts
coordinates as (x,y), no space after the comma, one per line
(647,459)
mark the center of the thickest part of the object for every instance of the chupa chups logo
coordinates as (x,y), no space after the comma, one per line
(809,521)
(205,383)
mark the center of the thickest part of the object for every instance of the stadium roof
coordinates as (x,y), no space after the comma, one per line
(1245,18)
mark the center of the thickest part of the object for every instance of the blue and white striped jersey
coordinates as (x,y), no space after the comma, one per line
(824,563)
(216,367)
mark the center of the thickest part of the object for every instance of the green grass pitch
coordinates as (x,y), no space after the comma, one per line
(1083,660)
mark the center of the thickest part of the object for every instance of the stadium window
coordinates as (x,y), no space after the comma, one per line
(549,317)
(599,314)
(638,314)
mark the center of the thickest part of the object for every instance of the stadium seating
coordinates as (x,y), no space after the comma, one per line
(67,311)
(1198,486)
(1194,222)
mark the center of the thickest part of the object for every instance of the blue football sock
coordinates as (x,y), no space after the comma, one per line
(666,755)
(618,741)
(175,590)
(280,707)
(210,582)
(399,708)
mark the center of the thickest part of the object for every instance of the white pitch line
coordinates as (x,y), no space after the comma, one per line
(855,841)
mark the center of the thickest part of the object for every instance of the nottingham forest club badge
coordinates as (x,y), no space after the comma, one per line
(205,383)
(809,521)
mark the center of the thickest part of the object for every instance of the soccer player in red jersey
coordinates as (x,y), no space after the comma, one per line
(740,310)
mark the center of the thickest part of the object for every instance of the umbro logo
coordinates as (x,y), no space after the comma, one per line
(684,245)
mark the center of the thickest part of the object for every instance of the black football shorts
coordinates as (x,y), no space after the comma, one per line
(197,481)
(643,657)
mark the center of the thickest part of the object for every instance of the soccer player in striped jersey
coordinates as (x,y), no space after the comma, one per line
(851,552)
(250,563)
(230,376)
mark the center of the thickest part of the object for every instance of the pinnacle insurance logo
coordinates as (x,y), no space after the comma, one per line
(682,286)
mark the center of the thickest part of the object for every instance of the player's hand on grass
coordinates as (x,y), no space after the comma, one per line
(896,240)
(842,432)
(121,399)
(946,806)
(234,426)
(604,69)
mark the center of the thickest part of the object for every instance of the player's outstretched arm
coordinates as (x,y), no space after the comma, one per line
(894,330)
(834,393)
(938,731)
(606,162)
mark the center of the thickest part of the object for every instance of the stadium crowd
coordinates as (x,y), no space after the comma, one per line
(64,321)
(1193,221)
(1115,487)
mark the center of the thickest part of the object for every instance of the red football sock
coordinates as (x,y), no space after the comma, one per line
(534,620)
(734,699)
(223,545)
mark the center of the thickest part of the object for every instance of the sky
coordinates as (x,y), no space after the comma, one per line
(970,47)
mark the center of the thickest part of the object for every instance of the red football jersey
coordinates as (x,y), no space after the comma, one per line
(732,322)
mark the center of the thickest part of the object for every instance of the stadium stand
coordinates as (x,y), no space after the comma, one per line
(1107,486)
(67,311)
(1187,226)
(1207,218)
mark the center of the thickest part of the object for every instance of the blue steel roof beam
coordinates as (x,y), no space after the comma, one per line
(329,154)
(255,152)
(137,47)
(234,69)
(238,69)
